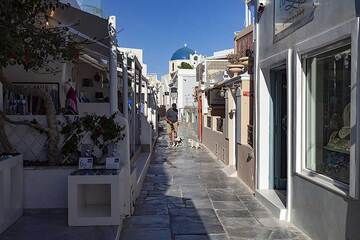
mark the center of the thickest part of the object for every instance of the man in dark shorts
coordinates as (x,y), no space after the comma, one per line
(172,122)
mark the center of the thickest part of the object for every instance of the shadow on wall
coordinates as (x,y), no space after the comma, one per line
(353,220)
(353,211)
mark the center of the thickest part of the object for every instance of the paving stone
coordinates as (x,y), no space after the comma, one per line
(234,213)
(262,213)
(191,237)
(254,206)
(216,185)
(193,187)
(234,222)
(272,222)
(249,232)
(218,237)
(192,212)
(182,189)
(281,234)
(151,209)
(54,227)
(198,203)
(195,194)
(150,221)
(228,205)
(149,234)
(222,195)
(195,225)
(202,237)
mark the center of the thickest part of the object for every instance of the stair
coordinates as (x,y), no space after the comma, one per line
(275,201)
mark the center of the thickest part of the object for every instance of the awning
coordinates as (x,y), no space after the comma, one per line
(94,62)
(86,26)
(224,83)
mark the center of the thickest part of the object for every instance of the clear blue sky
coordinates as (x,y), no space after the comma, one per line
(160,27)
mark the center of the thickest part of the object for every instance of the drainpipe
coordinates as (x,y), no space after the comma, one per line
(146,104)
(125,86)
(133,108)
(113,66)
(290,155)
(256,97)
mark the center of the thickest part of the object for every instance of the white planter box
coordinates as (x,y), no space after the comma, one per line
(11,191)
(95,200)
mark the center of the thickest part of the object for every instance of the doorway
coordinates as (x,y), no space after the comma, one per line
(280,130)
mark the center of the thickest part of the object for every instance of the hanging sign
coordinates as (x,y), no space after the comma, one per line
(291,15)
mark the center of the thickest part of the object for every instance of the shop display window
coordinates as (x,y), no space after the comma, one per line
(15,104)
(328,107)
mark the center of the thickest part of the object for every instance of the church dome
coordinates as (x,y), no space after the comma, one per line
(182,54)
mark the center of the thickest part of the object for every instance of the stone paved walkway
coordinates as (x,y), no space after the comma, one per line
(186,196)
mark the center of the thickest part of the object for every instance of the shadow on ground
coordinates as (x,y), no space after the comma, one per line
(187,196)
(52,225)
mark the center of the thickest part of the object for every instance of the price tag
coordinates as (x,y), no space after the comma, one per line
(112,163)
(86,163)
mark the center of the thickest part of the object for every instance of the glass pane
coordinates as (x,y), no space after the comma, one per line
(328,114)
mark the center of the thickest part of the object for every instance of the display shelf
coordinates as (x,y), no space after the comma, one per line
(338,150)
(94,198)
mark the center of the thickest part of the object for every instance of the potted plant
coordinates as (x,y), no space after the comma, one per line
(237,64)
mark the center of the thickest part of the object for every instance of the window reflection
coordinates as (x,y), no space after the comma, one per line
(328,113)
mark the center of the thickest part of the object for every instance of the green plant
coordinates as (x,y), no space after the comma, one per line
(32,39)
(102,131)
(185,65)
(234,58)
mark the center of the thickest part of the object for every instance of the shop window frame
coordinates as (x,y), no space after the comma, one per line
(311,175)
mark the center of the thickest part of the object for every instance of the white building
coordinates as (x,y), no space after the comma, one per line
(164,91)
(139,53)
(182,72)
(184,82)
(307,94)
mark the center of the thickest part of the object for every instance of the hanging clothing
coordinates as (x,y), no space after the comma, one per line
(71,101)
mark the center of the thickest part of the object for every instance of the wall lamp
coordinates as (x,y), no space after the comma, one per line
(261,8)
(222,92)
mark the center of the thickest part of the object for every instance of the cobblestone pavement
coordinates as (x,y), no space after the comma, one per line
(186,196)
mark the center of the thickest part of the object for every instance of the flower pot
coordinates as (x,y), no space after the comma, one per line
(235,69)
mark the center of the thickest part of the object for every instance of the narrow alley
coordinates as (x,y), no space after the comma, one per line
(186,195)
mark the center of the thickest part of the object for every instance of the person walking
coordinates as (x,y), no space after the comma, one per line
(171,118)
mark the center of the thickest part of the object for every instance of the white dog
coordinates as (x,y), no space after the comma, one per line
(194,144)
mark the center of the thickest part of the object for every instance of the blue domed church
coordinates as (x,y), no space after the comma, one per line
(184,58)
(181,81)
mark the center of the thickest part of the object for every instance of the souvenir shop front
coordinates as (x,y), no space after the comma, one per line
(307,124)
(74,88)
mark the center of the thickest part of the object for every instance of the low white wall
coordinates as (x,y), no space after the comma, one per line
(94,108)
(11,191)
(46,187)
(146,132)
